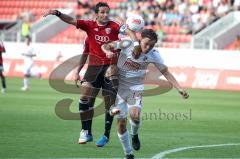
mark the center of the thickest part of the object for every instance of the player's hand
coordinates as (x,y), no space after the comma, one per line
(137,51)
(77,79)
(184,93)
(51,12)
(110,54)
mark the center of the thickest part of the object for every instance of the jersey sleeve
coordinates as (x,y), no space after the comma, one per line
(123,44)
(122,29)
(158,61)
(83,24)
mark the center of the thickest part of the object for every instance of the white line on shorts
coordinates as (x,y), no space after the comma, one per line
(164,153)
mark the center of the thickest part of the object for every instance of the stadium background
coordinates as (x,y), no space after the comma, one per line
(199,41)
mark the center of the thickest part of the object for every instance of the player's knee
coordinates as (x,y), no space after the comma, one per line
(86,89)
(84,97)
(86,112)
(135,115)
(122,125)
(135,119)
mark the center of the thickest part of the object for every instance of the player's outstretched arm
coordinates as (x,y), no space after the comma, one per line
(137,49)
(107,49)
(174,82)
(64,17)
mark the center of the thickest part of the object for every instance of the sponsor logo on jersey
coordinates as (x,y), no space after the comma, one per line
(130,65)
(102,39)
(96,29)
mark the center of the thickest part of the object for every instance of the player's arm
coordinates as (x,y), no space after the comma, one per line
(115,45)
(109,47)
(137,49)
(29,54)
(64,17)
(2,47)
(33,55)
(168,75)
(82,62)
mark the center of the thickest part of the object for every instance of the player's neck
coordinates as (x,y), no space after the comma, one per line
(99,23)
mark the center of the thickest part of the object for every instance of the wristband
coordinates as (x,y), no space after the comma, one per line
(135,43)
(58,13)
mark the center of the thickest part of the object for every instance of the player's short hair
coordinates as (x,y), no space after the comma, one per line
(149,33)
(100,4)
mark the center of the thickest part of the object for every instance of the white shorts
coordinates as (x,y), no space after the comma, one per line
(27,68)
(126,99)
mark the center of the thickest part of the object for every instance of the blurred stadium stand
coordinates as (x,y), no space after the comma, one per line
(175,21)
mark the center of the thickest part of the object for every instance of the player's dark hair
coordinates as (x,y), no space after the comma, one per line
(149,33)
(100,4)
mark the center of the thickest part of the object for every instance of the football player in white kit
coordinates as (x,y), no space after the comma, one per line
(28,53)
(131,84)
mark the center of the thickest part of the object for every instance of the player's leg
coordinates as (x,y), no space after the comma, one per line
(89,90)
(135,105)
(135,125)
(3,80)
(91,109)
(25,82)
(110,85)
(124,137)
(27,75)
(123,133)
(86,103)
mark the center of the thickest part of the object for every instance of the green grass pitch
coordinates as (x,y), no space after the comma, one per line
(29,127)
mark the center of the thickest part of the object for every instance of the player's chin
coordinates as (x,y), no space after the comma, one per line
(145,51)
(104,21)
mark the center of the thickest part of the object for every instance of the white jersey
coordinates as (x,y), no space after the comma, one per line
(28,54)
(132,71)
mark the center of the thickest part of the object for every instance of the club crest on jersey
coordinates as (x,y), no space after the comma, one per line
(96,29)
(108,30)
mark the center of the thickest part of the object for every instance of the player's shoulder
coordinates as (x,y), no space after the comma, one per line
(155,54)
(88,20)
(91,21)
(114,22)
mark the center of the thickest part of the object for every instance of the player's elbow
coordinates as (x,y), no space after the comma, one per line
(165,71)
(73,22)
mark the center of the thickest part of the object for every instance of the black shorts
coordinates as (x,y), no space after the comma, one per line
(96,76)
